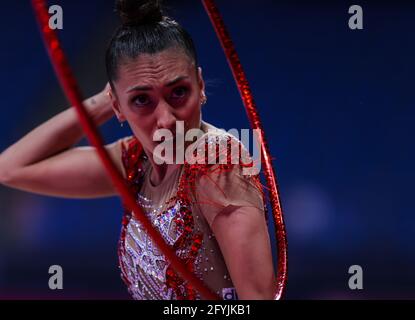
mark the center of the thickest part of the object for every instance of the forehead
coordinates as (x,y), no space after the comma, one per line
(155,69)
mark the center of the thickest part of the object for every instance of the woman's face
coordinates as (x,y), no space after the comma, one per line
(154,91)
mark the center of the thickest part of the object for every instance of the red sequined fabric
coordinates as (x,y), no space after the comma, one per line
(188,242)
(188,245)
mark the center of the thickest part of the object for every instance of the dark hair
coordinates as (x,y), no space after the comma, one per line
(144,30)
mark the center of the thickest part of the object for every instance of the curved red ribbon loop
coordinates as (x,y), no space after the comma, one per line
(69,85)
(252,111)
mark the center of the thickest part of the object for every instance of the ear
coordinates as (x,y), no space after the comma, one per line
(200,80)
(116,106)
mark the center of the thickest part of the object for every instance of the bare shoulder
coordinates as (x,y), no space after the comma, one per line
(115,150)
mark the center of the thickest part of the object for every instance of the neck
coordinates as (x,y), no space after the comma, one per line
(160,171)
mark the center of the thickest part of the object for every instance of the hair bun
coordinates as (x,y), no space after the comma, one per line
(139,12)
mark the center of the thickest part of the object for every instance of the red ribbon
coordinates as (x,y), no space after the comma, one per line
(72,92)
(253,116)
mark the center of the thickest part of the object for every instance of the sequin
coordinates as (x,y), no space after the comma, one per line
(144,268)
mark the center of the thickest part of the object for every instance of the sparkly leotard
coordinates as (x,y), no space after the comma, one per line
(183,209)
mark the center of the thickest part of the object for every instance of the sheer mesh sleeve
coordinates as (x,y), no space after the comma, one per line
(220,188)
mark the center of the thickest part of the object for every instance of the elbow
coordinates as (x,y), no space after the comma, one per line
(260,294)
(4,177)
(13,177)
(266,293)
(5,174)
(256,292)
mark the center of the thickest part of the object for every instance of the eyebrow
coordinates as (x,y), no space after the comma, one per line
(146,88)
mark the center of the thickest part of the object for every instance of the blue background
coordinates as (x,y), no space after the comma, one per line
(338,109)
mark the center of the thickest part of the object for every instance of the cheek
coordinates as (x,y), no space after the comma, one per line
(142,127)
(192,110)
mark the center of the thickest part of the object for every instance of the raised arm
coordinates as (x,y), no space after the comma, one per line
(45,162)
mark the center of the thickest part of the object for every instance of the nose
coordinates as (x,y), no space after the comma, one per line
(165,117)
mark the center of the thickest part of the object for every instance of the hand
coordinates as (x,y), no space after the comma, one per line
(100,105)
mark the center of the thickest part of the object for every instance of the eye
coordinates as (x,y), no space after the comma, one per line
(179,92)
(141,100)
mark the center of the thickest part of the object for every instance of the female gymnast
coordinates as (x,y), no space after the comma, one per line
(211,214)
